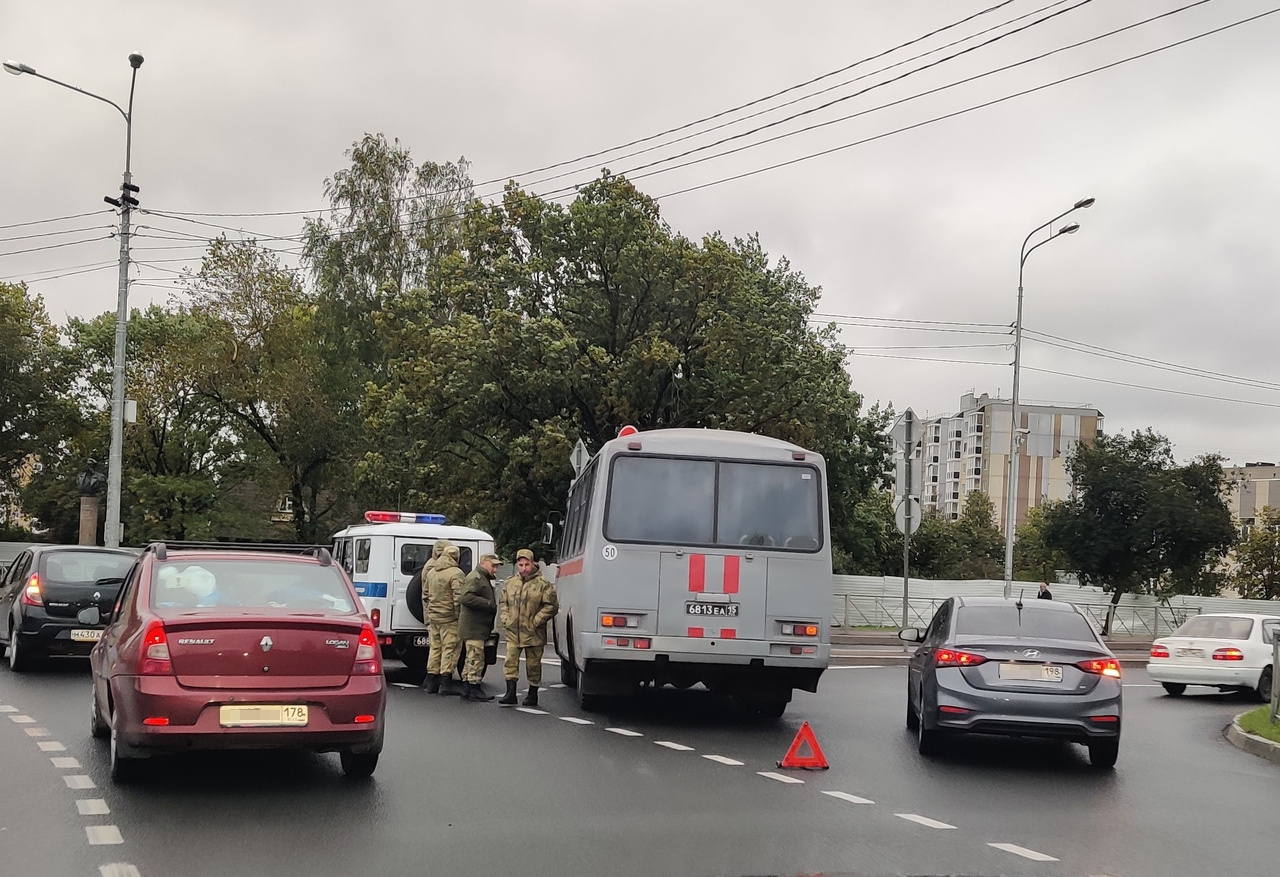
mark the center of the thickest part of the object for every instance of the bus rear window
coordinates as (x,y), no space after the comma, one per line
(706,502)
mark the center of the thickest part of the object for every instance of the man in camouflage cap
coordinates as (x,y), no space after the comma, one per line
(432,681)
(444,588)
(475,623)
(528,602)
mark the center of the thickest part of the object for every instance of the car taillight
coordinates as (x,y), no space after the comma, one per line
(1159,651)
(954,658)
(1228,655)
(31,593)
(368,658)
(155,651)
(612,619)
(799,630)
(1102,667)
(375,616)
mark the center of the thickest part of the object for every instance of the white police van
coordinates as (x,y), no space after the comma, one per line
(381,556)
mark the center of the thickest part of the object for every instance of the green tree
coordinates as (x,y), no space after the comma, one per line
(937,550)
(556,323)
(1033,558)
(1257,572)
(981,545)
(1138,521)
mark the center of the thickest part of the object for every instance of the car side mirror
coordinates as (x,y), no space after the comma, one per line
(548,533)
(911,635)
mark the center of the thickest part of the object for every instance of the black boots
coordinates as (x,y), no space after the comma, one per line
(474,693)
(448,686)
(531,699)
(509,699)
(432,683)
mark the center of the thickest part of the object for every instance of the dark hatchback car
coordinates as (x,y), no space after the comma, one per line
(990,665)
(54,599)
(238,647)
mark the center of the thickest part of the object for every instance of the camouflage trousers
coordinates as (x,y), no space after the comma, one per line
(444,648)
(532,663)
(473,668)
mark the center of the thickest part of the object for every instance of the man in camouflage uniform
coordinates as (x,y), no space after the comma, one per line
(444,588)
(432,681)
(528,602)
(475,624)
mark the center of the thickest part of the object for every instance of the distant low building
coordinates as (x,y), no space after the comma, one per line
(969,451)
(1255,486)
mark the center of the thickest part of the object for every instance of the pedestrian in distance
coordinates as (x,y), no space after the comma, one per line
(478,607)
(1045,593)
(431,684)
(528,602)
(444,589)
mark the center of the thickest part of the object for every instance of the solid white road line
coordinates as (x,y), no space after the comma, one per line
(22,720)
(559,685)
(852,799)
(678,747)
(92,807)
(37,732)
(118,869)
(923,820)
(531,711)
(103,834)
(78,781)
(720,759)
(64,762)
(1024,852)
(780,777)
(51,746)
(623,732)
(574,720)
(404,685)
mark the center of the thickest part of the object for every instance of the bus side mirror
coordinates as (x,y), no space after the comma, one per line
(548,533)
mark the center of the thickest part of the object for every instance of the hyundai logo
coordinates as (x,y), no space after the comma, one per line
(1032,653)
(266,644)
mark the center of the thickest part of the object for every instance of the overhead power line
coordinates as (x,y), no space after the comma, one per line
(54,219)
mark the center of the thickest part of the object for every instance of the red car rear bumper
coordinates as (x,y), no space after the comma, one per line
(193,716)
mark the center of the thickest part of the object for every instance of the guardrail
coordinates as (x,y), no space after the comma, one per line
(856,610)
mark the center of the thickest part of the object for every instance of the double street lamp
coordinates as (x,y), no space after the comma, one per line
(1011,485)
(126,202)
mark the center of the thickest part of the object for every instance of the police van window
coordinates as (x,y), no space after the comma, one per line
(362,555)
(769,506)
(412,557)
(658,499)
(342,553)
(464,558)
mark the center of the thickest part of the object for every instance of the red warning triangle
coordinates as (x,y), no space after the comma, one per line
(815,760)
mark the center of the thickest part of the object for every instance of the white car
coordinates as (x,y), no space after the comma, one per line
(1226,651)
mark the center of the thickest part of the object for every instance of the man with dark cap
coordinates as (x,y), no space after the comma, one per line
(528,602)
(476,611)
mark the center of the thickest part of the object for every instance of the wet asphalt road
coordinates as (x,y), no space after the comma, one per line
(476,789)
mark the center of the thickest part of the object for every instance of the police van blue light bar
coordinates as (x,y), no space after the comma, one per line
(402,518)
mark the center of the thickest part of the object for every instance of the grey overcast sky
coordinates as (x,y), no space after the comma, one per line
(246,107)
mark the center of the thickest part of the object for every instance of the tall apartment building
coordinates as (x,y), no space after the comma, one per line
(1255,486)
(969,451)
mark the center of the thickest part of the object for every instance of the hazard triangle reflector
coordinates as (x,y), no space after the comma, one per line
(815,760)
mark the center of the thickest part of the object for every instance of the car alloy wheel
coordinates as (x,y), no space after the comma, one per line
(1265,681)
(18,661)
(123,767)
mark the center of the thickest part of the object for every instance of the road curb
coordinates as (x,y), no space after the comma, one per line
(1254,745)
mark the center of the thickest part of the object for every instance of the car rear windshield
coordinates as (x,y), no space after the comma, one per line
(1027,622)
(1216,628)
(85,567)
(212,583)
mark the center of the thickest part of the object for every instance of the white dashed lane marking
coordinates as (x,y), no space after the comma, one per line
(37,732)
(51,746)
(404,685)
(118,869)
(64,763)
(720,759)
(5,708)
(92,807)
(1024,852)
(559,685)
(78,781)
(22,720)
(623,732)
(574,720)
(780,777)
(100,835)
(678,747)
(531,711)
(852,799)
(923,820)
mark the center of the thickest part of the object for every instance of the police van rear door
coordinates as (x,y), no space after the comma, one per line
(409,555)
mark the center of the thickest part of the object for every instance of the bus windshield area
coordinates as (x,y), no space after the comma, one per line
(675,501)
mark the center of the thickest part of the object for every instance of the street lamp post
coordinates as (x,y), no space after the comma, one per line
(1011,485)
(126,202)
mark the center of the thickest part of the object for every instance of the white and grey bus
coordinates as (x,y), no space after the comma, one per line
(692,555)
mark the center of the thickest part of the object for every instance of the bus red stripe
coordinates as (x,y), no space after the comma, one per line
(697,573)
(572,568)
(731,573)
(696,632)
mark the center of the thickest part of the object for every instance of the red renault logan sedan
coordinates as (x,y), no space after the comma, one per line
(238,647)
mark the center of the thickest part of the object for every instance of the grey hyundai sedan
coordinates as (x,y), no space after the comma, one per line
(989,665)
